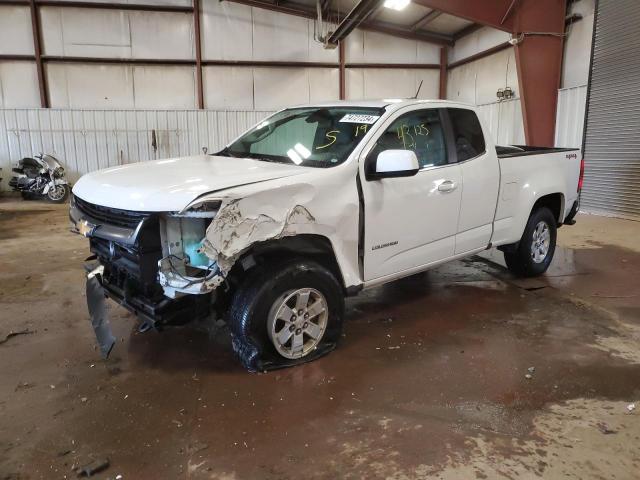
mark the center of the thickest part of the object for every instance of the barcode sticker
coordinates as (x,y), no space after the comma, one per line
(359,118)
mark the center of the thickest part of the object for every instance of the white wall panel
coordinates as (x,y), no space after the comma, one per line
(280,37)
(18,85)
(570,116)
(577,46)
(111,33)
(228,87)
(324,84)
(90,86)
(477,42)
(87,140)
(373,47)
(237,32)
(164,87)
(85,33)
(477,82)
(162,35)
(275,88)
(227,31)
(369,83)
(504,120)
(15,31)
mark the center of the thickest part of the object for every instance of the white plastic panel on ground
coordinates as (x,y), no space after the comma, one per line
(88,140)
(570,116)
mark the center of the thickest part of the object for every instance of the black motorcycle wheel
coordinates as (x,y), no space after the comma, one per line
(58,194)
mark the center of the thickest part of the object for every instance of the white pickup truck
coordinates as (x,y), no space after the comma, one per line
(313,204)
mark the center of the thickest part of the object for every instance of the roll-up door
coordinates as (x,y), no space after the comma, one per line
(612,136)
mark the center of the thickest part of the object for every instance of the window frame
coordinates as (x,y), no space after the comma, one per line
(449,123)
(447,132)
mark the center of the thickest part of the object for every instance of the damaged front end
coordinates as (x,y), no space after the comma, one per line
(150,263)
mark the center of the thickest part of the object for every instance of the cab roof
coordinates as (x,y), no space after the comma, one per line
(395,103)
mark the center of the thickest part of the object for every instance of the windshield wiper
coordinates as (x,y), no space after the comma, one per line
(225,152)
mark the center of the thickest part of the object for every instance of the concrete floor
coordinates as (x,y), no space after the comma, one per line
(428,382)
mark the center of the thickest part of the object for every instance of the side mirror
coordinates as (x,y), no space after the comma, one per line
(395,163)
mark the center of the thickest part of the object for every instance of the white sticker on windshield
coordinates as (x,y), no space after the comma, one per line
(359,118)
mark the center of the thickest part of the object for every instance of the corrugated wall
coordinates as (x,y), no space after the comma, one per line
(504,120)
(612,143)
(570,116)
(87,140)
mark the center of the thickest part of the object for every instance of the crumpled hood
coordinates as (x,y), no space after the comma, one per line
(170,185)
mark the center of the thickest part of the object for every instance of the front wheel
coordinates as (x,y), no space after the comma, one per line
(58,193)
(285,315)
(533,254)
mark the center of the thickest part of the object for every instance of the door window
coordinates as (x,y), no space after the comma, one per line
(420,131)
(467,133)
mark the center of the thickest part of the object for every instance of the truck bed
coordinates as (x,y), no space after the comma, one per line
(507,151)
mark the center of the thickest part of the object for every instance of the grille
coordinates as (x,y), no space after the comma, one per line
(111,216)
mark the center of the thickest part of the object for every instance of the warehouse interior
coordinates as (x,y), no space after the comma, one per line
(460,371)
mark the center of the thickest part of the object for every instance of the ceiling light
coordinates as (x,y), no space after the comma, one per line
(397,4)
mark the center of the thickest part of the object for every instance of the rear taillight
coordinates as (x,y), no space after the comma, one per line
(581,178)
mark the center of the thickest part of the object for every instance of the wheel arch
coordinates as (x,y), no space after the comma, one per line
(554,202)
(312,246)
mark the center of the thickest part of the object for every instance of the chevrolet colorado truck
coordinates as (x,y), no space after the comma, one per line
(313,204)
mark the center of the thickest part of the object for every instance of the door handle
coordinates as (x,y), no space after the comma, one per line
(447,186)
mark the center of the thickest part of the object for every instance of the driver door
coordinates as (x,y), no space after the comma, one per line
(410,222)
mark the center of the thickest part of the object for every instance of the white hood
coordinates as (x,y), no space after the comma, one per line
(170,185)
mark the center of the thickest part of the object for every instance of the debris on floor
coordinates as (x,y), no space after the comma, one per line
(95,466)
(10,335)
(605,429)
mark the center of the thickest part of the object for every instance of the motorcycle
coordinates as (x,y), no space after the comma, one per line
(40,176)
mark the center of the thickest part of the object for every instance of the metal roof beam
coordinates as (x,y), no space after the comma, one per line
(380,27)
(426,20)
(358,14)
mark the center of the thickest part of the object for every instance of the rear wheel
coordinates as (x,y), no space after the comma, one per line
(534,253)
(287,314)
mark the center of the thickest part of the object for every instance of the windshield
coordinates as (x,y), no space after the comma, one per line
(312,137)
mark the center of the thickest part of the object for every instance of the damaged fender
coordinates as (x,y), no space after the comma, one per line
(279,208)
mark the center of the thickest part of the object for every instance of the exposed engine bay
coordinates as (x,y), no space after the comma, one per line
(151,263)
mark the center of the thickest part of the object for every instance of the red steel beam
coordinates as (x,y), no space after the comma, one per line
(508,15)
(539,26)
(342,71)
(479,55)
(37,50)
(198,45)
(539,64)
(403,66)
(116,6)
(443,73)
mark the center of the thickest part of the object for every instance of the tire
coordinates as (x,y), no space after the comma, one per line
(259,300)
(522,260)
(58,198)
